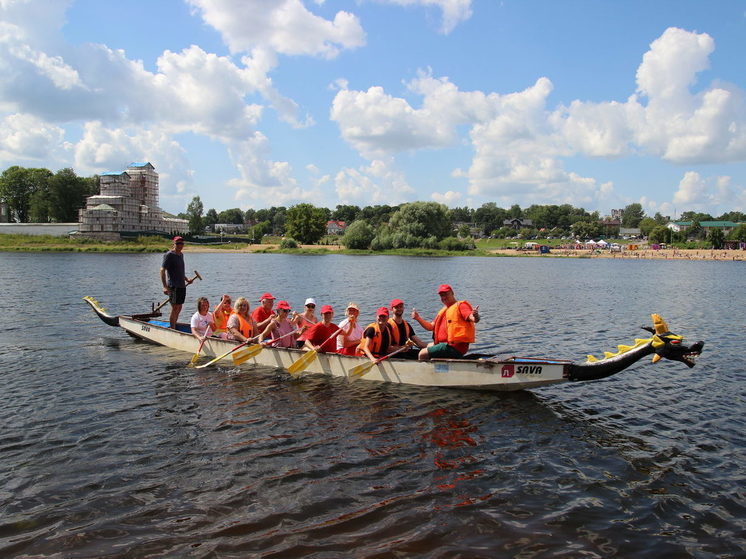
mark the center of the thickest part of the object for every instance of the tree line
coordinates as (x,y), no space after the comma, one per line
(433,225)
(40,196)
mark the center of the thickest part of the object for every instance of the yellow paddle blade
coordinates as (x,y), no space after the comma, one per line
(360,370)
(194,360)
(245,354)
(302,363)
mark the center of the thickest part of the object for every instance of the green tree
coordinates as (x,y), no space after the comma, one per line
(695,216)
(358,235)
(647,225)
(632,215)
(306,223)
(279,220)
(739,233)
(422,220)
(194,215)
(345,212)
(67,192)
(736,217)
(464,214)
(586,229)
(211,218)
(489,217)
(17,187)
(234,216)
(716,238)
(695,231)
(464,231)
(660,234)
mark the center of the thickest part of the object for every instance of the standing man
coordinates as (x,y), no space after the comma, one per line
(263,314)
(401,331)
(174,280)
(453,327)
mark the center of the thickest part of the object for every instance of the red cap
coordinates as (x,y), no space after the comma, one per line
(382,311)
(396,302)
(178,239)
(267,296)
(284,305)
(444,288)
(326,308)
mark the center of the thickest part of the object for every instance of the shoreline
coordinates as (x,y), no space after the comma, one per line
(642,254)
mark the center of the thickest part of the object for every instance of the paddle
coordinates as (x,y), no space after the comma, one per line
(219,357)
(363,368)
(307,359)
(254,350)
(159,307)
(195,357)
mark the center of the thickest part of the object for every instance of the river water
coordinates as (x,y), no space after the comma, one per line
(110,447)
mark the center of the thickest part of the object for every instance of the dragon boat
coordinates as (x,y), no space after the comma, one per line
(479,372)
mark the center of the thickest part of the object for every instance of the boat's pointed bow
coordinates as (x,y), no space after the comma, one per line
(101,312)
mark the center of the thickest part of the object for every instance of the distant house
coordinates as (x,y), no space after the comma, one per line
(229,228)
(518,223)
(335,227)
(725,226)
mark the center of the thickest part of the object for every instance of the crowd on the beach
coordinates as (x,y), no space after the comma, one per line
(277,325)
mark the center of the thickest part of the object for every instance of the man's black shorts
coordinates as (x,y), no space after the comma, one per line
(178,295)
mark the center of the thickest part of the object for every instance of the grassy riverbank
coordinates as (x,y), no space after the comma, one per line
(270,245)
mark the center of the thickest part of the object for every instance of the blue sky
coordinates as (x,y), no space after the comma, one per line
(255,103)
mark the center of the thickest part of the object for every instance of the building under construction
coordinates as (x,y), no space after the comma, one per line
(128,204)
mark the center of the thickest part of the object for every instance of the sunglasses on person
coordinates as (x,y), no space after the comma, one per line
(311,306)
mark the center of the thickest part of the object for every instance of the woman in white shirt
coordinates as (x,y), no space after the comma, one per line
(202,320)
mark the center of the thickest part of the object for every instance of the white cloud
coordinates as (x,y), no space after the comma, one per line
(103,149)
(284,26)
(377,183)
(24,136)
(454,11)
(450,198)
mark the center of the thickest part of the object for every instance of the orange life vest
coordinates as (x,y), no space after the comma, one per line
(245,327)
(394,329)
(375,343)
(457,329)
(221,318)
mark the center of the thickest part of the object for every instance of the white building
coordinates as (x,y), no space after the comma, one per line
(128,203)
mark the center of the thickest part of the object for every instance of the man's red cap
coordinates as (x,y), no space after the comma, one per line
(382,311)
(444,288)
(267,296)
(326,309)
(396,302)
(284,305)
(178,239)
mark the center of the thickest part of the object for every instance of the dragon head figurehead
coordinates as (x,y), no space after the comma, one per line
(670,346)
(662,345)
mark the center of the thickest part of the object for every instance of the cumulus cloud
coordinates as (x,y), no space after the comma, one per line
(454,11)
(520,144)
(24,136)
(104,149)
(377,183)
(285,26)
(450,198)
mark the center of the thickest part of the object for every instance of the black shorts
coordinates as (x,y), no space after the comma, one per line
(177,296)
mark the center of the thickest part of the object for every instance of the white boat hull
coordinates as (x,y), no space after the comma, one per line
(480,374)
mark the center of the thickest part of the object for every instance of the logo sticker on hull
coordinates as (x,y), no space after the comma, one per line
(507,371)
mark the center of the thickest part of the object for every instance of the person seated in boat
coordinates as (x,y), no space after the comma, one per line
(376,340)
(280,328)
(321,336)
(202,323)
(221,313)
(453,327)
(306,319)
(347,343)
(241,326)
(263,314)
(401,331)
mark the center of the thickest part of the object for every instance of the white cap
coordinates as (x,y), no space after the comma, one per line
(310,301)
